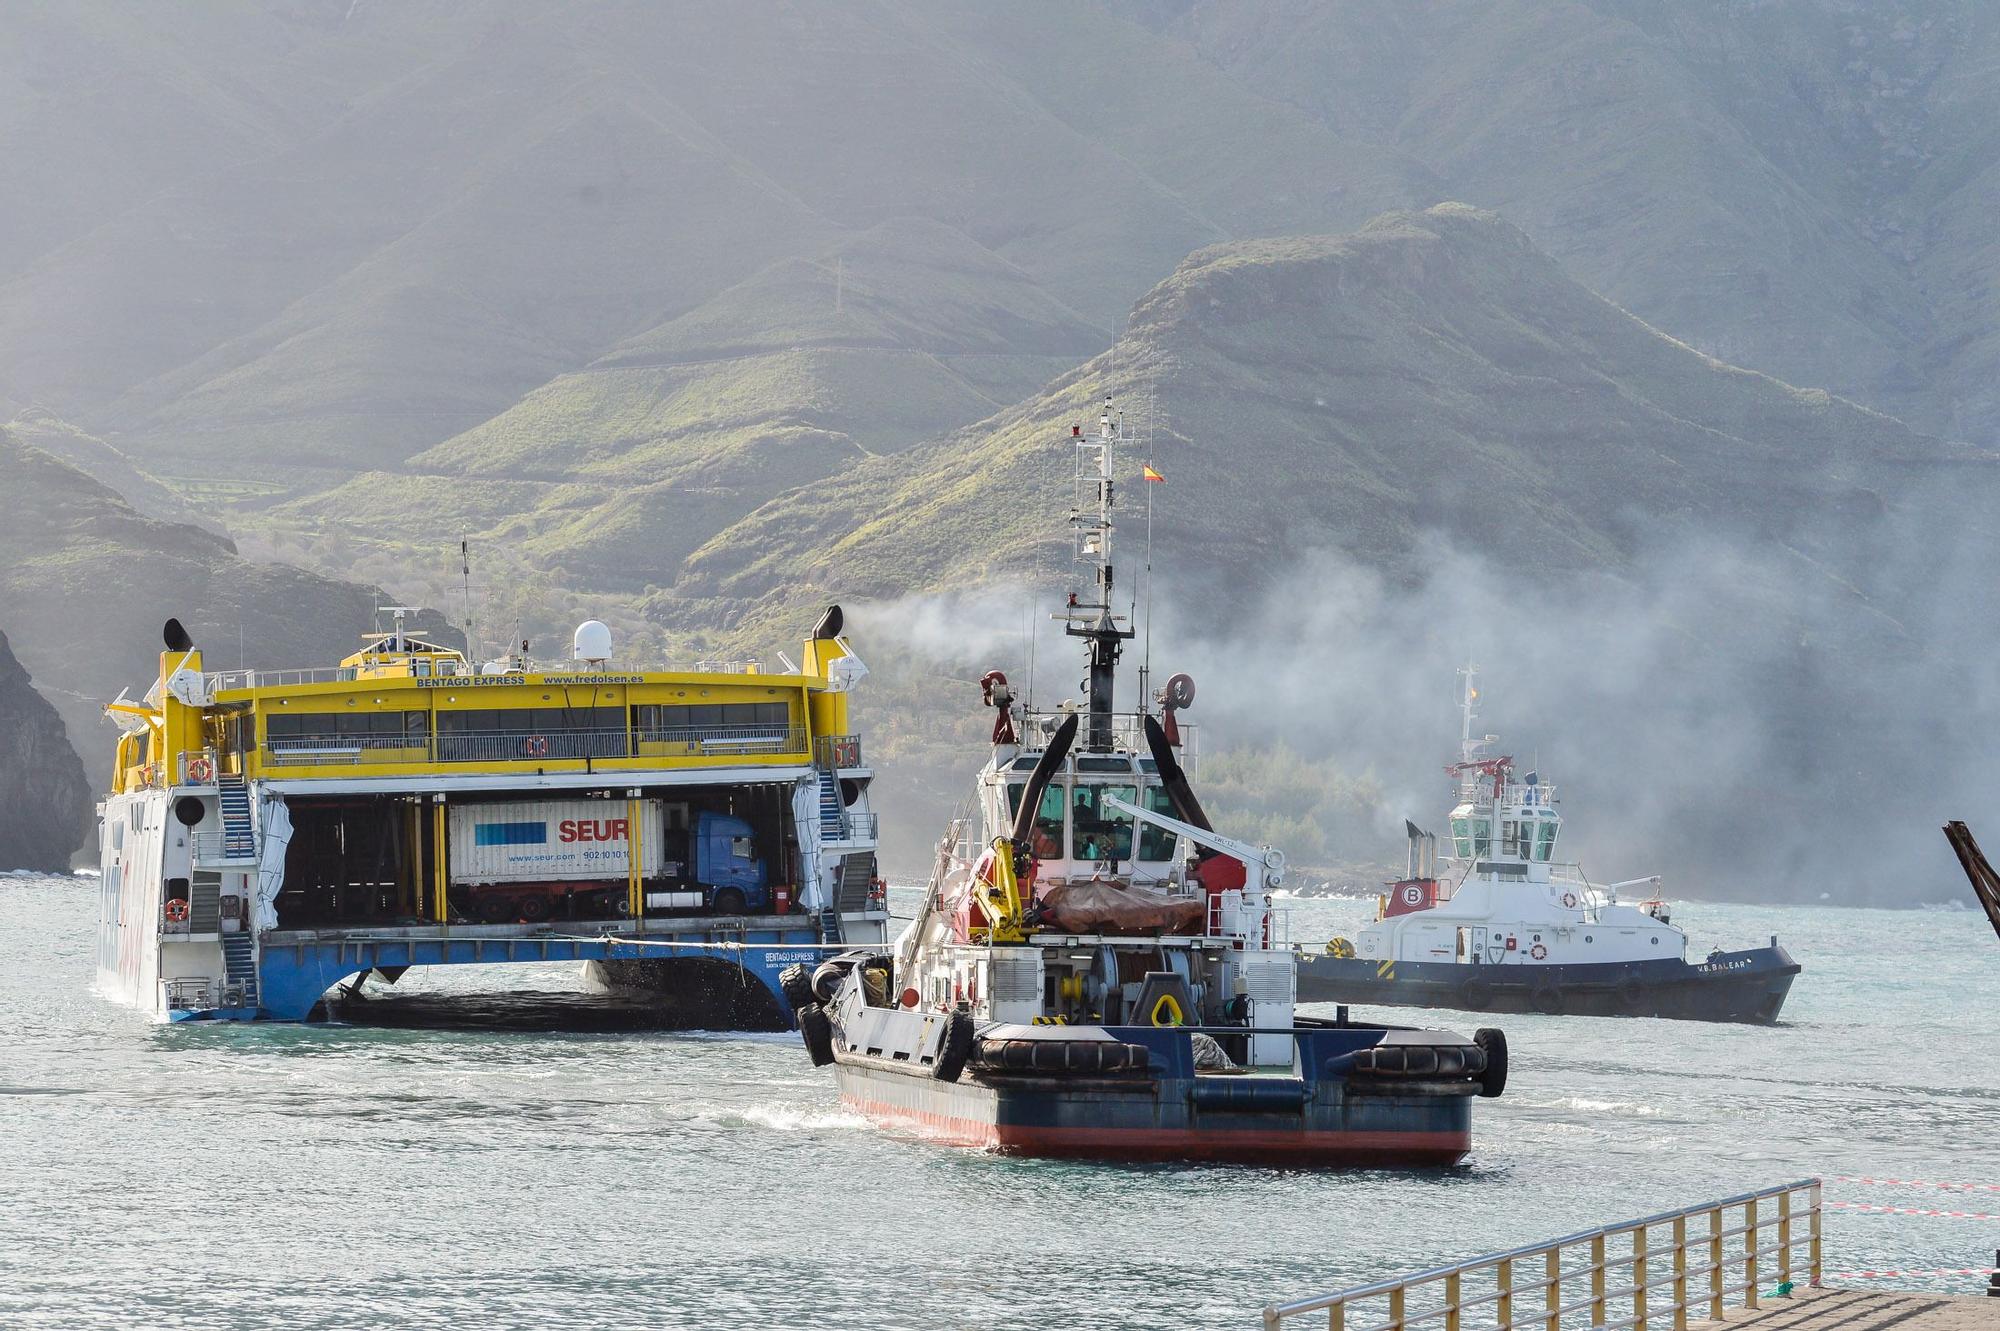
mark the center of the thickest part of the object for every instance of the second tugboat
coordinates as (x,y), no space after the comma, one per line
(1516,931)
(1096,972)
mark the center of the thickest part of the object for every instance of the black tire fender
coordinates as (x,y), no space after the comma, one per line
(1493,1043)
(1547,999)
(826,980)
(1631,993)
(1475,994)
(816,1029)
(955,1048)
(795,983)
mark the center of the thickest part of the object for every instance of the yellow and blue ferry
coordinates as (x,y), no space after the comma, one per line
(271,835)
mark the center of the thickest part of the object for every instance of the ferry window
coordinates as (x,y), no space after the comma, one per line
(1097,831)
(1545,840)
(1156,843)
(678,724)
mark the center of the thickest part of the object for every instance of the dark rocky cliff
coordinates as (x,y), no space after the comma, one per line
(44,800)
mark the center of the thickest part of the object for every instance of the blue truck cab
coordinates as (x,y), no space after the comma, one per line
(726,863)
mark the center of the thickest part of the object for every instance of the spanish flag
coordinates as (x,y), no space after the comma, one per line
(1152,475)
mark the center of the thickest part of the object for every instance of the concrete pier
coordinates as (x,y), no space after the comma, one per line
(1829,1309)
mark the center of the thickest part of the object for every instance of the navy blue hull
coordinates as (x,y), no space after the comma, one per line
(1748,986)
(1318,1117)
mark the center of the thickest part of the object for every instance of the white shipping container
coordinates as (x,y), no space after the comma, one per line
(553,840)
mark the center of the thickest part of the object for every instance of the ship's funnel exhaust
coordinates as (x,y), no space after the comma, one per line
(176,637)
(1173,780)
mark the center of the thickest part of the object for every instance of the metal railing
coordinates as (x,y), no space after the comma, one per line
(857,826)
(496,746)
(834,752)
(1128,731)
(213,848)
(1634,1276)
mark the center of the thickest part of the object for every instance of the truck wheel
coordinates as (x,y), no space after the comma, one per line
(495,909)
(1494,1042)
(728,902)
(796,985)
(816,1029)
(956,1048)
(826,978)
(534,909)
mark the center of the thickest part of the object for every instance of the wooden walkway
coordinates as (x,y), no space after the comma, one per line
(1865,1310)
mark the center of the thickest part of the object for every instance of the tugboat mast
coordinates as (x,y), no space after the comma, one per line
(1093,620)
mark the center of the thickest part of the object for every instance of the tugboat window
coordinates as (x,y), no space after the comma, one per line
(1545,840)
(1101,833)
(1045,841)
(1473,837)
(1156,843)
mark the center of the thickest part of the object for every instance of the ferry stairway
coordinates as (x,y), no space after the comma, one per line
(832,816)
(239,965)
(238,842)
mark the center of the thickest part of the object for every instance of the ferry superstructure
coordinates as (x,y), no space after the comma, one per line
(1095,971)
(1506,925)
(273,834)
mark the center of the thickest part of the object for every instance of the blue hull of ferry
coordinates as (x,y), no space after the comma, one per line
(1748,986)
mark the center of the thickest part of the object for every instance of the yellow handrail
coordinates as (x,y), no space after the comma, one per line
(1650,1298)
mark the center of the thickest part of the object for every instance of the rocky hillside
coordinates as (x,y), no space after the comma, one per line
(1431,372)
(86,581)
(44,799)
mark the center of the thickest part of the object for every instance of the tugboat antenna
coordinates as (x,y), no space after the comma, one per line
(1095,620)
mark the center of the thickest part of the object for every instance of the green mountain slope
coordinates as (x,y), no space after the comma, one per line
(613,474)
(1431,371)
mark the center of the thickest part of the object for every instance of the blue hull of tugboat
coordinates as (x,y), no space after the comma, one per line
(1315,1118)
(1748,986)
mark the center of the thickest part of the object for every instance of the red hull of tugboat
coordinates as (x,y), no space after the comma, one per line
(1024,1118)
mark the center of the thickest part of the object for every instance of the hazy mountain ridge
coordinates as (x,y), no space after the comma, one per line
(422,240)
(86,582)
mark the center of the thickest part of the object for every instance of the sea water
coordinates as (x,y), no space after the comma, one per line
(499,1152)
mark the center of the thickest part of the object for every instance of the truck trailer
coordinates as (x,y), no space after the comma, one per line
(573,858)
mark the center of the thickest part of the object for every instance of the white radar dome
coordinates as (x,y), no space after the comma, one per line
(592,642)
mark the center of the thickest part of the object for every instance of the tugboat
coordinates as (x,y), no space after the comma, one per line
(1095,972)
(1513,930)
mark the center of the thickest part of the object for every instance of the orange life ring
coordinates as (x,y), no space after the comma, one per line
(1538,952)
(1569,900)
(536,746)
(177,911)
(200,771)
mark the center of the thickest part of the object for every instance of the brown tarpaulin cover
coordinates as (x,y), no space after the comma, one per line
(1098,907)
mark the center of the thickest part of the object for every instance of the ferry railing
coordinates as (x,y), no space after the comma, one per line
(857,826)
(1640,1275)
(834,752)
(218,848)
(695,741)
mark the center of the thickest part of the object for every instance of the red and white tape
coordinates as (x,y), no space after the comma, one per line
(1912,1210)
(1918,1183)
